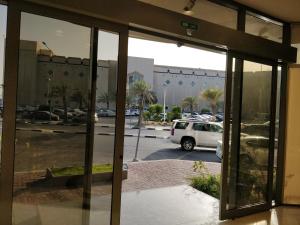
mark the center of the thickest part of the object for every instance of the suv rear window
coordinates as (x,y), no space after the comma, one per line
(181,125)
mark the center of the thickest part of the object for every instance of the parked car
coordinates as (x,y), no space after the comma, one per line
(44,115)
(219,117)
(131,112)
(61,113)
(76,112)
(82,118)
(251,148)
(203,117)
(106,113)
(191,133)
(186,115)
(135,112)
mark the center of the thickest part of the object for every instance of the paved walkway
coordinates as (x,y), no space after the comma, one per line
(162,173)
(177,205)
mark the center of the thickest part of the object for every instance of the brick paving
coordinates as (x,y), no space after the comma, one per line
(162,173)
(30,188)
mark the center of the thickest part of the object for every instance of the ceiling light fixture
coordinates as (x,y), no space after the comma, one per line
(189,7)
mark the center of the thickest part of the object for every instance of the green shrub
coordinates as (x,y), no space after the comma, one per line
(174,114)
(176,110)
(209,184)
(205,110)
(155,110)
(79,170)
(146,115)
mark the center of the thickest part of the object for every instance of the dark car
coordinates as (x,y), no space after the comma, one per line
(106,113)
(82,118)
(44,115)
(61,113)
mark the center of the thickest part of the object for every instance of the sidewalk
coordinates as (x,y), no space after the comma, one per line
(162,173)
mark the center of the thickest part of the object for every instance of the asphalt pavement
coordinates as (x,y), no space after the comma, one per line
(45,145)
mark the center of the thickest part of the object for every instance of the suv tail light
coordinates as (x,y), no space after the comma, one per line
(172,131)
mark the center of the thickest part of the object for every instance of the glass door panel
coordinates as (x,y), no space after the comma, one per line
(3,18)
(105,125)
(67,158)
(249,147)
(54,86)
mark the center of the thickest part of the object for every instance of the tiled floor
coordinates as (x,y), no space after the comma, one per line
(183,205)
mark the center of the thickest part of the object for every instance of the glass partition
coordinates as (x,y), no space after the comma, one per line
(252,174)
(248,164)
(3,18)
(105,125)
(51,124)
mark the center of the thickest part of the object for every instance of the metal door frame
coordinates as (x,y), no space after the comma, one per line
(15,8)
(237,91)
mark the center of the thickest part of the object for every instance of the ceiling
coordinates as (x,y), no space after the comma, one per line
(224,16)
(287,10)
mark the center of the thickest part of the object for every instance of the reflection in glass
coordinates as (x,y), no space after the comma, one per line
(103,155)
(264,28)
(52,104)
(277,119)
(254,136)
(3,16)
(249,144)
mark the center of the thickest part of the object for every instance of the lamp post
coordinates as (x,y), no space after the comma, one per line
(49,78)
(50,75)
(165,92)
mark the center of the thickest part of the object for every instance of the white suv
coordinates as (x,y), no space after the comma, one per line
(191,133)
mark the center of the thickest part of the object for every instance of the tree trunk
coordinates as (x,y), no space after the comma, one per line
(80,102)
(65,109)
(213,109)
(139,133)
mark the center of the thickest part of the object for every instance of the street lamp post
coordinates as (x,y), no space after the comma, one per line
(50,74)
(165,92)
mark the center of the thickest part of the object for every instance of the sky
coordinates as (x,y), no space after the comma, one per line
(72,40)
(3,13)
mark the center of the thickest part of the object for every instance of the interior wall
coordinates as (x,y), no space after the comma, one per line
(292,154)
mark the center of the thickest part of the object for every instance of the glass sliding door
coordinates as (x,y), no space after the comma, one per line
(68,151)
(104,127)
(51,121)
(3,18)
(249,143)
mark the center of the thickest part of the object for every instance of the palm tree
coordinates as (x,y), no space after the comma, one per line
(141,90)
(212,95)
(190,102)
(129,100)
(106,98)
(78,97)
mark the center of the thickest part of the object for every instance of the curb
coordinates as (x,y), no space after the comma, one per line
(102,126)
(102,134)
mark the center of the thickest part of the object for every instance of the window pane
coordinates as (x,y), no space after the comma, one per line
(104,137)
(3,16)
(267,29)
(254,143)
(52,103)
(203,9)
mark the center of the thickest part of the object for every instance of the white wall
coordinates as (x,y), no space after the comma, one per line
(142,65)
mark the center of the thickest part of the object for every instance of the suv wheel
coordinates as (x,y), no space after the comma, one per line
(187,144)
